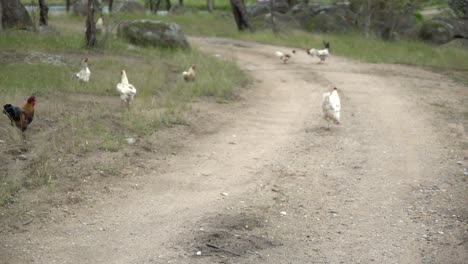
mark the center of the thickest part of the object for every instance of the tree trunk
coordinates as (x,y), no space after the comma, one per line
(90,26)
(154,5)
(210,5)
(111,2)
(368,18)
(240,15)
(272,15)
(67,5)
(1,26)
(43,13)
(181,2)
(168,5)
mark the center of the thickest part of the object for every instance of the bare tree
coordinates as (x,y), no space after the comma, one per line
(154,5)
(240,15)
(368,18)
(43,13)
(272,16)
(210,5)
(1,24)
(91,26)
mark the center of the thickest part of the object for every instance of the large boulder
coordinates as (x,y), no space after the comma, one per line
(258,10)
(14,15)
(263,8)
(131,6)
(281,6)
(443,30)
(456,43)
(153,33)
(324,18)
(282,21)
(80,7)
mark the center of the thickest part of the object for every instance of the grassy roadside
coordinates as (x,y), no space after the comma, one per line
(352,45)
(82,125)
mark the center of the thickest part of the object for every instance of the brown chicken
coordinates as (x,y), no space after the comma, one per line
(21,117)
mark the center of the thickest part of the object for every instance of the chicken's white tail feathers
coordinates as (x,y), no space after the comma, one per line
(279,54)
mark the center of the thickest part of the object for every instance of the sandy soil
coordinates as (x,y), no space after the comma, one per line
(261,180)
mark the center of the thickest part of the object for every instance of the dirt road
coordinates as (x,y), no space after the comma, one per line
(261,180)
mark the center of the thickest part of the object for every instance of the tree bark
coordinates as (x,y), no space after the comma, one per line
(240,15)
(168,5)
(181,2)
(111,2)
(368,18)
(154,5)
(210,5)
(272,15)
(67,5)
(43,13)
(90,26)
(1,24)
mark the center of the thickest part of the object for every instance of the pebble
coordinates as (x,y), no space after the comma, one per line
(224,194)
(131,140)
(283,213)
(459,162)
(198,253)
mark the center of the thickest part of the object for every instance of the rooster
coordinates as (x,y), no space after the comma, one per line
(84,73)
(21,117)
(284,57)
(322,54)
(125,89)
(190,74)
(331,107)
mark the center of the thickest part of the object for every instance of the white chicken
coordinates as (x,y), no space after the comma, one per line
(125,89)
(190,74)
(99,25)
(322,54)
(284,56)
(331,107)
(84,74)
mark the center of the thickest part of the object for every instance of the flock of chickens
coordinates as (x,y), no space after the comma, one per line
(22,117)
(331,104)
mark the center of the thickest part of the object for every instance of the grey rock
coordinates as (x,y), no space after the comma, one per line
(153,33)
(14,15)
(444,30)
(80,7)
(281,6)
(258,10)
(131,6)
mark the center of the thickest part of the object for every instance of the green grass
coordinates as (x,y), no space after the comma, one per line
(352,45)
(76,119)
